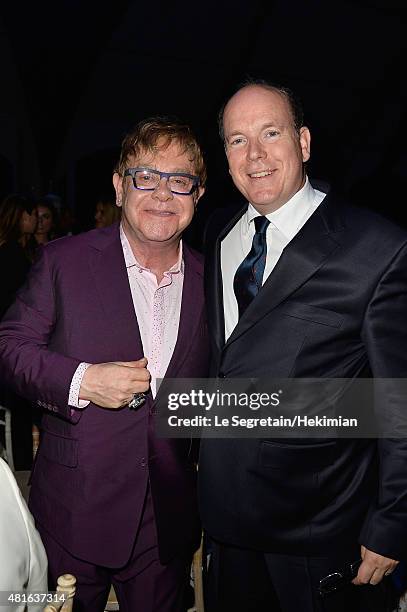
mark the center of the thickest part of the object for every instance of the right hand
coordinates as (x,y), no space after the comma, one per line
(112,385)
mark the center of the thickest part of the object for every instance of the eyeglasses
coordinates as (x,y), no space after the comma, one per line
(337,580)
(149,179)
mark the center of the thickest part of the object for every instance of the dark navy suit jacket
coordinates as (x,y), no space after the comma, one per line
(334,306)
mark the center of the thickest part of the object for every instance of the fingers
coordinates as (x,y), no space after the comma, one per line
(138,379)
(132,380)
(373,568)
(132,373)
(139,363)
(113,385)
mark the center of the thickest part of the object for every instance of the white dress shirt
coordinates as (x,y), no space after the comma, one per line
(285,223)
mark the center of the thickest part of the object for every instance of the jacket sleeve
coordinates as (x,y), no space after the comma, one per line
(385,336)
(29,362)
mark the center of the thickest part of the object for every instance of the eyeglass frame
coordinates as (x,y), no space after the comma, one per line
(132,171)
(343,577)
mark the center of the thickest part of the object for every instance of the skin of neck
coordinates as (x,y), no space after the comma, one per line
(41,238)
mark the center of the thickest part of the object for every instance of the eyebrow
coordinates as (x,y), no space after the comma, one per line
(263,127)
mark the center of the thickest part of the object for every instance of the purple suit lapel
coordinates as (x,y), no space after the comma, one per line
(192,294)
(112,285)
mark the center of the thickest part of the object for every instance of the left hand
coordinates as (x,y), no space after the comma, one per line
(373,567)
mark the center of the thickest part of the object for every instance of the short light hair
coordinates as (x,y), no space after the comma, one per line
(294,104)
(146,135)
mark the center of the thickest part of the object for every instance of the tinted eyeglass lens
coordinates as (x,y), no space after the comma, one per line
(180,184)
(146,179)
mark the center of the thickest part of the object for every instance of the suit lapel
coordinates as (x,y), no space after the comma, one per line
(214,282)
(190,316)
(310,248)
(108,268)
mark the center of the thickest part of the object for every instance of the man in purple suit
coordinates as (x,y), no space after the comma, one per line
(114,504)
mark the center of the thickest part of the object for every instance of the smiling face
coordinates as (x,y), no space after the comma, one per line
(264,150)
(159,216)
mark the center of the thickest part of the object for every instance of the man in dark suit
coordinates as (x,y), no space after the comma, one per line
(113,503)
(331,301)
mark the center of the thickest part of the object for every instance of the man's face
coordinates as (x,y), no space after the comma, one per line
(159,216)
(264,151)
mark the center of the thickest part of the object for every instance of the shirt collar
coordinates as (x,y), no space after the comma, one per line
(130,259)
(289,218)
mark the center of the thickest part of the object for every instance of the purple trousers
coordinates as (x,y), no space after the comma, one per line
(142,585)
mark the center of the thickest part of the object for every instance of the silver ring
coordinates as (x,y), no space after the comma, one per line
(137,401)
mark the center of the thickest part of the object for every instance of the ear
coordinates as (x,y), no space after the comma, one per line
(305,143)
(118,187)
(198,194)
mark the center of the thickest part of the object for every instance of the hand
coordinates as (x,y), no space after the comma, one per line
(373,567)
(112,385)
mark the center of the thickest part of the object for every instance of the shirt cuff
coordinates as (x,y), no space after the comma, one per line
(74,389)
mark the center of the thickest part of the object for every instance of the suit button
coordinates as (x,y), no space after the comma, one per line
(143,462)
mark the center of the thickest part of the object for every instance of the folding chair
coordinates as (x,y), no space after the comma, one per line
(197,574)
(65,584)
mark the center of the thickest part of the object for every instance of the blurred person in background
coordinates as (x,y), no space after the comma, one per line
(18,222)
(106,213)
(68,223)
(47,226)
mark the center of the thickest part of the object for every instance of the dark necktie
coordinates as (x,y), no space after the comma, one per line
(249,275)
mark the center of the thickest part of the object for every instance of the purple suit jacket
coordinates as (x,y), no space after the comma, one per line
(92,468)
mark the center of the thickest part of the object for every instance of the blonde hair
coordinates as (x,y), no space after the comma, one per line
(146,134)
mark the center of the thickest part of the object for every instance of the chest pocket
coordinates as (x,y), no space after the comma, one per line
(314,314)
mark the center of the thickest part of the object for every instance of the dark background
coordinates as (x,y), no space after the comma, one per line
(77,75)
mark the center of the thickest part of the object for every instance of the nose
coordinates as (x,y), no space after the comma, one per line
(255,150)
(162,192)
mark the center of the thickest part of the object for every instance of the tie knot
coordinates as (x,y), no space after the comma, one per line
(261,224)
